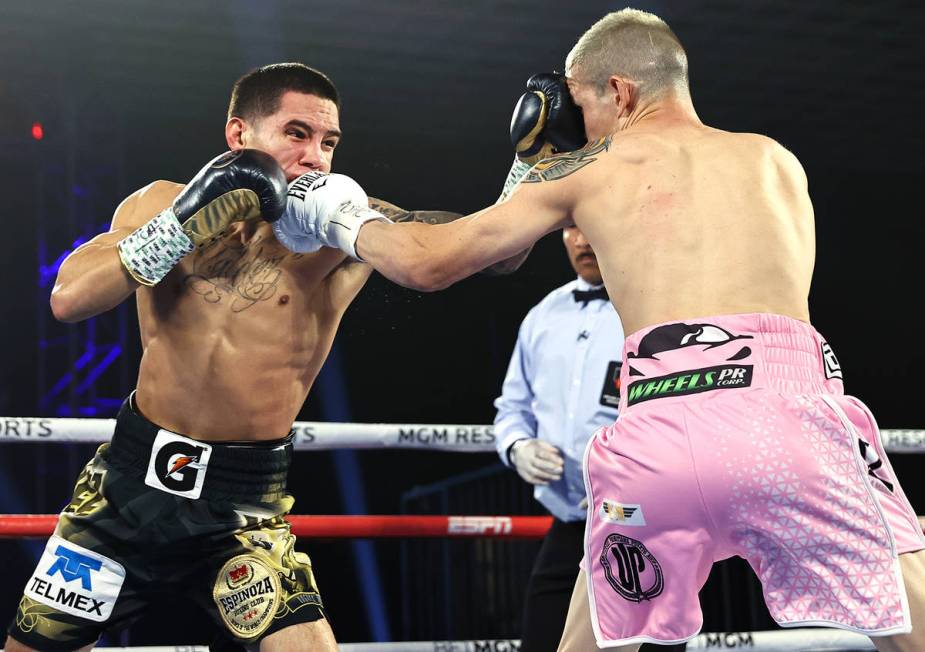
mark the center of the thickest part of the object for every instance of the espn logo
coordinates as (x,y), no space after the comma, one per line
(480,525)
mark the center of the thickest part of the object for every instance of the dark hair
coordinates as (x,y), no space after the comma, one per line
(257,94)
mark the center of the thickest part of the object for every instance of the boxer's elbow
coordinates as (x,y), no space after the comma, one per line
(64,305)
(426,277)
(72,304)
(428,271)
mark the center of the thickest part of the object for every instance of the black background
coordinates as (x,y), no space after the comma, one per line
(427,91)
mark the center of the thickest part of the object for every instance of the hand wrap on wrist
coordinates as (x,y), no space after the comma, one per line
(152,250)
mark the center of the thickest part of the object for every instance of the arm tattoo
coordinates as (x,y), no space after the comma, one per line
(397,214)
(562,165)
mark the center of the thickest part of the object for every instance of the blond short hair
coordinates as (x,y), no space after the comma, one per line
(633,44)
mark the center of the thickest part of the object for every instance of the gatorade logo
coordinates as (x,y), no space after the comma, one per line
(178,464)
(692,381)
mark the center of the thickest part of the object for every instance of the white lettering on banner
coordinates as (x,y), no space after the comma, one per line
(453,435)
(900,440)
(480,525)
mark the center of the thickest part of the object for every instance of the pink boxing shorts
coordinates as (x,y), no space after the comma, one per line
(735,438)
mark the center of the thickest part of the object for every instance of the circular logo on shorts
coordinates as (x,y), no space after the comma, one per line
(247,594)
(639,575)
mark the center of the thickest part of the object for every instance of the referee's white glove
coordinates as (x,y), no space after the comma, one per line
(537,462)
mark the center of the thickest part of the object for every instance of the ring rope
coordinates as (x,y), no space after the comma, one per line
(319,435)
(792,640)
(343,527)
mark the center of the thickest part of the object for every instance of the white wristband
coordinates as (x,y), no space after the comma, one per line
(518,171)
(152,250)
(343,228)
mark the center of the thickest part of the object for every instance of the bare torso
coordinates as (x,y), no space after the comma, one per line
(235,335)
(691,221)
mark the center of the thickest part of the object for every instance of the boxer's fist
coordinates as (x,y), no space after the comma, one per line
(232,187)
(546,121)
(536,461)
(324,210)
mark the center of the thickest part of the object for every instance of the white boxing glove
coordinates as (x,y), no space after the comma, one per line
(324,210)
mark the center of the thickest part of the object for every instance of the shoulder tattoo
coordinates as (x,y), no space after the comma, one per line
(562,165)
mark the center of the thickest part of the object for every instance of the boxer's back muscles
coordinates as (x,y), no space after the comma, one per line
(692,221)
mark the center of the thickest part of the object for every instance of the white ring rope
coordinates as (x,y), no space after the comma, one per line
(793,640)
(319,435)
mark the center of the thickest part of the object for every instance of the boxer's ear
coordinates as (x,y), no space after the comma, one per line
(624,93)
(234,133)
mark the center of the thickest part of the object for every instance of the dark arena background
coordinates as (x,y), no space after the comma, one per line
(100,97)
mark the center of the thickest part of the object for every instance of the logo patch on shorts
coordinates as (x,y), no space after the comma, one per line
(692,381)
(610,394)
(639,575)
(830,362)
(623,514)
(75,580)
(178,464)
(247,594)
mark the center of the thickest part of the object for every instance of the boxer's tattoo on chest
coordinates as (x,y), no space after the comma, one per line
(397,214)
(236,275)
(562,165)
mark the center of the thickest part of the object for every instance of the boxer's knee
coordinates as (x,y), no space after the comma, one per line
(314,636)
(12,645)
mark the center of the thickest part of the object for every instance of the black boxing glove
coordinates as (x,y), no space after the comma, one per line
(546,121)
(232,187)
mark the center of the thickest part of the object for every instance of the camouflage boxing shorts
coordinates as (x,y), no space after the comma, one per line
(155,513)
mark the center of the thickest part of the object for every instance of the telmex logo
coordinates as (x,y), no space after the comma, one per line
(480,524)
(72,565)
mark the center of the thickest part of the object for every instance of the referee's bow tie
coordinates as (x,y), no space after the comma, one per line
(590,295)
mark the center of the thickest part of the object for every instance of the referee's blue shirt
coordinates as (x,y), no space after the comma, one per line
(561,386)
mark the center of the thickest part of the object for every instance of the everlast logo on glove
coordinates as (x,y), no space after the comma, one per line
(178,464)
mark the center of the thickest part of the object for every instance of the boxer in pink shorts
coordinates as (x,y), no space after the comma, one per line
(735,438)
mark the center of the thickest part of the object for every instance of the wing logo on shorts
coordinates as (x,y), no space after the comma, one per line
(623,514)
(638,574)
